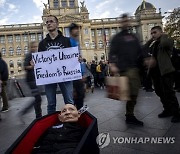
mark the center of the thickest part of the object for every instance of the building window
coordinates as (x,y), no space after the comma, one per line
(113,31)
(100,44)
(95,57)
(11,64)
(93,44)
(107,31)
(71,3)
(102,56)
(18,38)
(10,39)
(25,50)
(11,51)
(18,51)
(64,3)
(56,3)
(66,31)
(3,51)
(86,44)
(39,37)
(25,38)
(86,31)
(19,63)
(99,31)
(33,37)
(92,33)
(2,39)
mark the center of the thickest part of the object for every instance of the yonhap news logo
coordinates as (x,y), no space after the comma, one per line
(103,140)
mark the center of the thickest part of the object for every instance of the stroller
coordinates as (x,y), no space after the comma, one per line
(26,141)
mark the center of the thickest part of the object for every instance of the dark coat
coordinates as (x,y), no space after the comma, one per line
(3,70)
(125,51)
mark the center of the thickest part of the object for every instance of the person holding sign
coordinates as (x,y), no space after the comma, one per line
(55,40)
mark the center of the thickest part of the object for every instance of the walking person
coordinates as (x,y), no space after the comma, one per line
(4,94)
(124,57)
(3,74)
(30,78)
(78,85)
(55,40)
(162,72)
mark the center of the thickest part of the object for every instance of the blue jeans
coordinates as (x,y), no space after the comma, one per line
(67,92)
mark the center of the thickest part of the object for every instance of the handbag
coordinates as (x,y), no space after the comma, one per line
(117,87)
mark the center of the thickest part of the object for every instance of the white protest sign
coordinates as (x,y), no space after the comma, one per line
(55,66)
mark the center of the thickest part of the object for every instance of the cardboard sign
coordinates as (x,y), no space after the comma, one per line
(58,65)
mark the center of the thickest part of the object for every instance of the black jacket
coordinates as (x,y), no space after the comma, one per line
(60,139)
(125,51)
(3,70)
(29,73)
(58,43)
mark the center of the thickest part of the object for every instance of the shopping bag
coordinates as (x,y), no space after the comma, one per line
(117,87)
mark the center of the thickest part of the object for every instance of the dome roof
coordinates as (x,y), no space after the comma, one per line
(145,6)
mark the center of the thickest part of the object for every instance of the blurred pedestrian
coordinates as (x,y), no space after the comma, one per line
(3,74)
(78,85)
(30,78)
(162,72)
(124,57)
(4,94)
(93,71)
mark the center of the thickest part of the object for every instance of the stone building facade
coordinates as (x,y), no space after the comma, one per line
(95,34)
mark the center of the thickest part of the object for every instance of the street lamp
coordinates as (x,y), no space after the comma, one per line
(104,36)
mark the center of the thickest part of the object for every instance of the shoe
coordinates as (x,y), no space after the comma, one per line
(175,119)
(165,114)
(4,110)
(133,120)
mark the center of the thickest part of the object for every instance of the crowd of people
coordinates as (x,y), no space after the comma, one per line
(151,66)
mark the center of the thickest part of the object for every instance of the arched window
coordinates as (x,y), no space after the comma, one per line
(71,3)
(56,3)
(11,51)
(25,50)
(11,64)
(100,44)
(95,57)
(3,51)
(19,63)
(86,44)
(18,52)
(102,56)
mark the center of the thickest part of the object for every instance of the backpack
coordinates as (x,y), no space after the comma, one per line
(98,68)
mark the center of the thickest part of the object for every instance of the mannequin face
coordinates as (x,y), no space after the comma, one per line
(69,113)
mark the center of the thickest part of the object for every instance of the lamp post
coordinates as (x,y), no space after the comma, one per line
(104,36)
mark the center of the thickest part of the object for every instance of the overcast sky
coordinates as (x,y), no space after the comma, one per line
(30,11)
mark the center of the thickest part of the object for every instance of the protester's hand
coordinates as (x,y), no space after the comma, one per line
(32,63)
(113,68)
(150,62)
